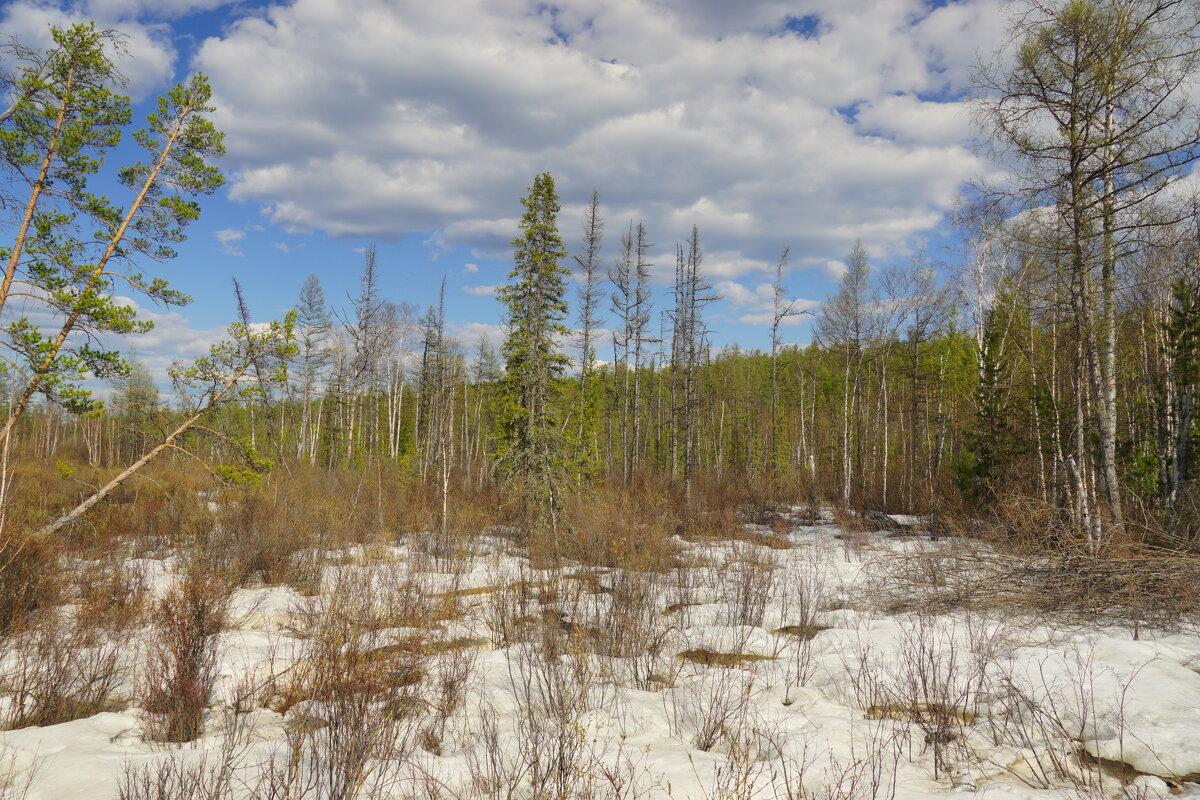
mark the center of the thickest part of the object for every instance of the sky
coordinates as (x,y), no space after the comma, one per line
(419,125)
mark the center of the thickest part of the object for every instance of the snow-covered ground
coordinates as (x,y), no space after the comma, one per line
(751,671)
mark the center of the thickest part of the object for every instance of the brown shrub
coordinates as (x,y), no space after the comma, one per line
(30,578)
(181,659)
(619,528)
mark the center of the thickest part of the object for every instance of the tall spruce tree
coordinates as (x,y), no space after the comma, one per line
(536,306)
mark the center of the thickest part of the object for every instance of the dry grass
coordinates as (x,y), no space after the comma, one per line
(805,631)
(1138,588)
(708,658)
(620,529)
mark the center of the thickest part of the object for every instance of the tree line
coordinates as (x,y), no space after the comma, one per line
(1053,358)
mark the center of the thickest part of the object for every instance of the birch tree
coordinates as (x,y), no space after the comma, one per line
(1095,111)
(845,326)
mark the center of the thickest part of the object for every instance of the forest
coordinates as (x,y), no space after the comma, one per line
(977,450)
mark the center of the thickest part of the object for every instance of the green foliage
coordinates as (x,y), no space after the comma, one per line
(250,472)
(993,442)
(1182,329)
(238,476)
(583,440)
(217,373)
(74,250)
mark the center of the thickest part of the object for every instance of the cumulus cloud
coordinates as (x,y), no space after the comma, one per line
(173,338)
(807,123)
(480,291)
(128,9)
(229,238)
(834,269)
(147,59)
(468,334)
(756,305)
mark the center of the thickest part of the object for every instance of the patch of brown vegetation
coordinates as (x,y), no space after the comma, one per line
(920,713)
(708,658)
(805,632)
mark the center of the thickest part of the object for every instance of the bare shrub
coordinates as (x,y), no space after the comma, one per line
(803,596)
(555,683)
(1048,707)
(792,759)
(171,778)
(30,578)
(866,776)
(450,548)
(711,707)
(68,662)
(748,580)
(514,610)
(634,629)
(935,687)
(746,771)
(16,779)
(193,774)
(110,597)
(496,773)
(375,594)
(933,684)
(181,655)
(621,527)
(454,673)
(500,767)
(353,700)
(60,671)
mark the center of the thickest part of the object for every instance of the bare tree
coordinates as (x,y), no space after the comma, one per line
(1095,110)
(847,324)
(590,294)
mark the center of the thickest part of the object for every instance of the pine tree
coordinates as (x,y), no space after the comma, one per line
(536,307)
(74,252)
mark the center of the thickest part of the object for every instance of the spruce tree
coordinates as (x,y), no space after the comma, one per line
(530,454)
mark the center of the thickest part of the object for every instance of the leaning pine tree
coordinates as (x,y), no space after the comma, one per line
(530,451)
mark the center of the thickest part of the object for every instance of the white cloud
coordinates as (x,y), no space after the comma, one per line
(470,268)
(756,306)
(148,61)
(834,269)
(908,119)
(409,116)
(130,9)
(283,247)
(469,333)
(480,291)
(229,237)
(172,339)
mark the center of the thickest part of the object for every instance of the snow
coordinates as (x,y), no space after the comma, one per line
(750,713)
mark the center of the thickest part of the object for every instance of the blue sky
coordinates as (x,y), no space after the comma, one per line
(418,126)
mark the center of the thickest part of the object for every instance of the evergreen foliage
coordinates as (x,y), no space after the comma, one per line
(530,447)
